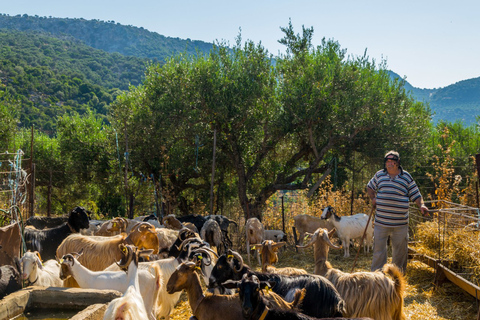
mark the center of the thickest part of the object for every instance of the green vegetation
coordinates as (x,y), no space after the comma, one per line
(118,134)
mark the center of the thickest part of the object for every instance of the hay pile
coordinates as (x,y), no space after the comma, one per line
(460,246)
(422,300)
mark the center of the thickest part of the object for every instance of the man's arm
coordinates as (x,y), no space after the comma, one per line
(423,208)
(372,195)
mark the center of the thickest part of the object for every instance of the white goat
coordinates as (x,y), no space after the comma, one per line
(150,279)
(349,228)
(165,302)
(275,235)
(36,273)
(255,233)
(131,305)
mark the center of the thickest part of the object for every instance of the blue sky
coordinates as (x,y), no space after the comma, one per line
(432,43)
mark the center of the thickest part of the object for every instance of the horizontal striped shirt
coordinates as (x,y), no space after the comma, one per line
(393,196)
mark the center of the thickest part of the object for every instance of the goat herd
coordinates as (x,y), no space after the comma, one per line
(152,263)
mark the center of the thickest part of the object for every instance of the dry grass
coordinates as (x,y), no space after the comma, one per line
(422,300)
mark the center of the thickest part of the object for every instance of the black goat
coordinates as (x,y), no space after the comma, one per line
(47,241)
(321,298)
(45,222)
(254,304)
(197,220)
(10,280)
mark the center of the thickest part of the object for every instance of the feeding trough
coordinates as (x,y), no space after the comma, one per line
(63,303)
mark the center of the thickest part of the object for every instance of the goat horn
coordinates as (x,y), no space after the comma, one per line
(240,260)
(327,240)
(209,250)
(201,250)
(311,242)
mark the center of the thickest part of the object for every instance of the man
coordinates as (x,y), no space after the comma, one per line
(390,190)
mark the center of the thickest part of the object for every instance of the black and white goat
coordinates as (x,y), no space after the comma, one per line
(46,241)
(321,297)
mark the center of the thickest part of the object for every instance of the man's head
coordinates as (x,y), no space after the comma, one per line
(392,158)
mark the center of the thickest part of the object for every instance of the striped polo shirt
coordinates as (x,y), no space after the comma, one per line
(393,196)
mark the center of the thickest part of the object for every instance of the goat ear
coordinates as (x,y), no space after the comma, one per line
(331,232)
(230,284)
(265,284)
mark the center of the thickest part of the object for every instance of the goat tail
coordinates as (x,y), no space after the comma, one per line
(298,298)
(397,276)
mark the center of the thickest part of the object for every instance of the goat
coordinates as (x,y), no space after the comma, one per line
(275,235)
(10,278)
(166,239)
(212,234)
(100,252)
(171,222)
(131,304)
(305,223)
(166,302)
(367,294)
(321,298)
(36,273)
(212,306)
(223,222)
(268,252)
(150,280)
(10,234)
(40,223)
(113,227)
(255,233)
(255,305)
(197,220)
(350,227)
(47,241)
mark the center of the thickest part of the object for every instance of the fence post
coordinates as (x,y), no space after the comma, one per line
(477,162)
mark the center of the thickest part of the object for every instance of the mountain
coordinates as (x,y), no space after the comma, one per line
(457,102)
(55,65)
(108,36)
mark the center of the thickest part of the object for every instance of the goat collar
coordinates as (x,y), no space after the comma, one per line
(257,311)
(71,228)
(32,283)
(264,313)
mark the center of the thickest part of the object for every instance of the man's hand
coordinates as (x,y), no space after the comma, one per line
(424,209)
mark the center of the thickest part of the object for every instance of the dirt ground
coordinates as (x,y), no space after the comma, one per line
(423,300)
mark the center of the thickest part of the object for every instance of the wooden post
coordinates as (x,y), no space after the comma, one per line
(213,170)
(283,217)
(31,194)
(49,194)
(477,162)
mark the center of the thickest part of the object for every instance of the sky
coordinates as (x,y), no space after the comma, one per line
(431,43)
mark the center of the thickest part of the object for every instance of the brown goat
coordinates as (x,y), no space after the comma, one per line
(101,252)
(366,294)
(268,251)
(207,306)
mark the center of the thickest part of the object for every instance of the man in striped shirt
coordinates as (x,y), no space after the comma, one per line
(391,190)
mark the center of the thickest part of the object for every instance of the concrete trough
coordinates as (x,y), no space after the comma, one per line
(90,303)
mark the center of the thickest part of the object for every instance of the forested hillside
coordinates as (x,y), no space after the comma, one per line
(108,36)
(56,65)
(457,102)
(51,76)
